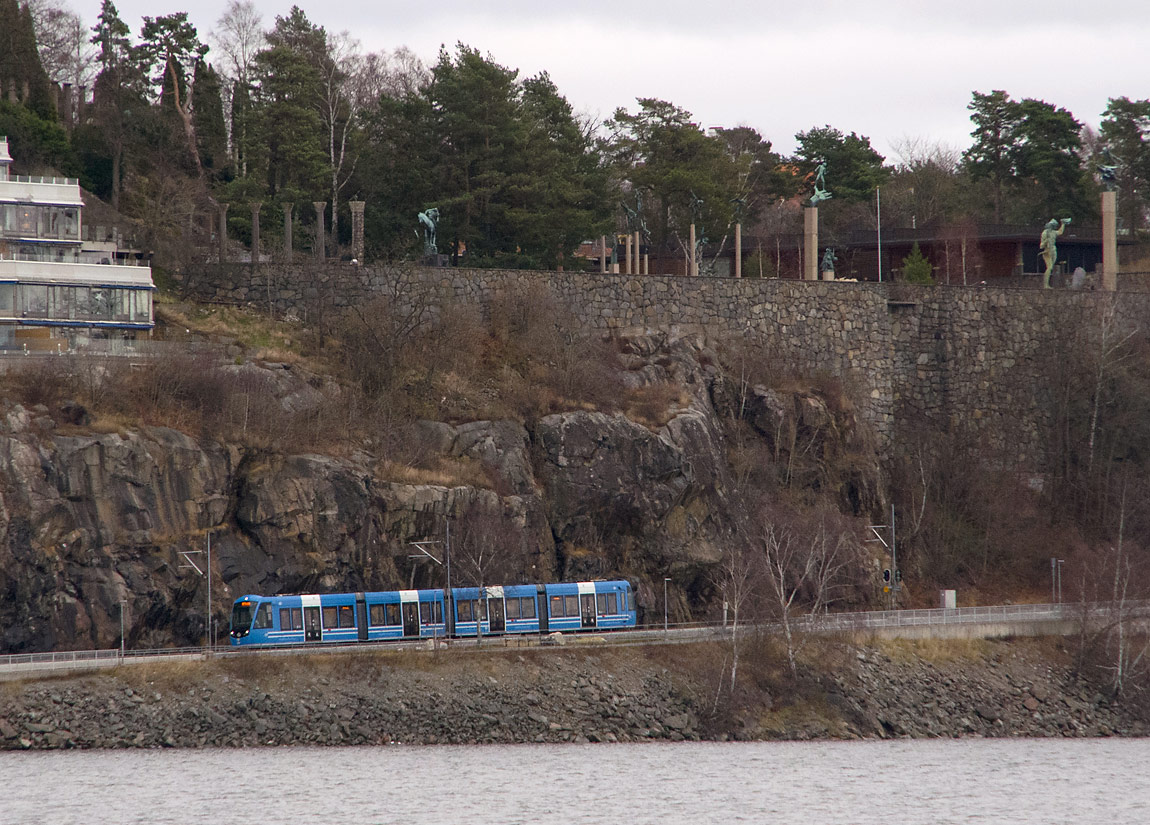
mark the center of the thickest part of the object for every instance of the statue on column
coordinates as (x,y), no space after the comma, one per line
(820,194)
(1048,246)
(429,220)
(828,262)
(1108,171)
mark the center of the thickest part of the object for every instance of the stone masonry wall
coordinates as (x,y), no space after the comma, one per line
(937,357)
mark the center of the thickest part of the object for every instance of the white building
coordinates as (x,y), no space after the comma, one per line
(54,294)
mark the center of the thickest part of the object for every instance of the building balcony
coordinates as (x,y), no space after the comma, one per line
(81,274)
(47,191)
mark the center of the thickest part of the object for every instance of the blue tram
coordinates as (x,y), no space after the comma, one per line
(415,614)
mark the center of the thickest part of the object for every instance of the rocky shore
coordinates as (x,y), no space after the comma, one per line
(671,693)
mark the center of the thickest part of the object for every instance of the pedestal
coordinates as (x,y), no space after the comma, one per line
(357,246)
(738,250)
(694,254)
(1110,241)
(223,232)
(811,243)
(287,231)
(320,246)
(256,233)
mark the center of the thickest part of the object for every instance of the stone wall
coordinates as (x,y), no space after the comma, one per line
(942,357)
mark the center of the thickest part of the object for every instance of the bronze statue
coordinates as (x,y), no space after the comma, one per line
(820,194)
(828,262)
(1108,171)
(1048,247)
(429,220)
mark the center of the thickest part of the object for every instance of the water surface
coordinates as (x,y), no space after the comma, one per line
(929,782)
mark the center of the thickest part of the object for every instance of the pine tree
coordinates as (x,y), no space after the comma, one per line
(208,117)
(20,60)
(916,269)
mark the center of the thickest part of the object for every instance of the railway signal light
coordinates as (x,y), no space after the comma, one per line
(886,575)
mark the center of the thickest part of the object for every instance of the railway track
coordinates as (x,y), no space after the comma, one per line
(972,622)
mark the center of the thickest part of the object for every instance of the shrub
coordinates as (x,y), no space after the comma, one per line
(916,269)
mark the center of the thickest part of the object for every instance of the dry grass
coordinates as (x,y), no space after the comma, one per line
(654,405)
(443,472)
(936,651)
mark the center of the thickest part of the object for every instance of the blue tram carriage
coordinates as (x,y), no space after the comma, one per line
(337,618)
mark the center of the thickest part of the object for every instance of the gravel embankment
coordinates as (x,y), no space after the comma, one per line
(1000,689)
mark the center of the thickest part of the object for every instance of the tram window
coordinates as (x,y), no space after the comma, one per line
(285,618)
(630,600)
(437,612)
(612,604)
(557,607)
(264,617)
(602,604)
(466,610)
(483,609)
(297,618)
(528,609)
(572,605)
(513,608)
(425,612)
(346,616)
(393,619)
(375,615)
(330,619)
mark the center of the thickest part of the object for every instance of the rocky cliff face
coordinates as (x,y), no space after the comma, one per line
(92,521)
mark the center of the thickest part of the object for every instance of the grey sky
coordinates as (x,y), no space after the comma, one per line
(888,69)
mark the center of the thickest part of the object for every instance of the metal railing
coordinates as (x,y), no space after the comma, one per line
(43,179)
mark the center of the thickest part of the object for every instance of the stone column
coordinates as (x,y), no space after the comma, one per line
(356,229)
(627,259)
(1110,241)
(602,253)
(694,258)
(638,239)
(320,211)
(256,233)
(223,232)
(287,231)
(738,250)
(646,265)
(811,243)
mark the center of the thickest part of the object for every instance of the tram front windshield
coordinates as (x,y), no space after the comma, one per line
(241,618)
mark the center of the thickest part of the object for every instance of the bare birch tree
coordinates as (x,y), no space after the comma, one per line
(807,569)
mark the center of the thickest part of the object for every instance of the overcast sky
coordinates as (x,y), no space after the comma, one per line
(889,69)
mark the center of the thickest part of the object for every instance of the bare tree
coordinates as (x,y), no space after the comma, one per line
(239,36)
(736,579)
(808,567)
(62,39)
(339,109)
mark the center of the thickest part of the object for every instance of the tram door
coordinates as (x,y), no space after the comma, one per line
(312,631)
(587,609)
(496,616)
(411,619)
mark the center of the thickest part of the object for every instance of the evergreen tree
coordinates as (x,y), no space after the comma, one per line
(1125,134)
(477,118)
(208,118)
(171,46)
(20,60)
(286,130)
(916,269)
(991,156)
(1030,149)
(119,92)
(853,168)
(684,174)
